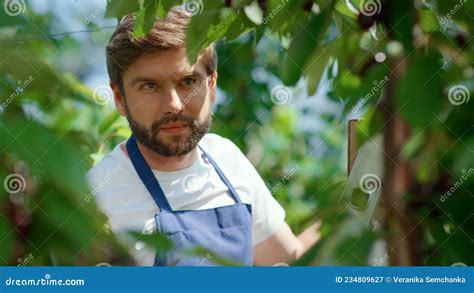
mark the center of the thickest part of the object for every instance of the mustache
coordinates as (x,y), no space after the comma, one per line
(172,118)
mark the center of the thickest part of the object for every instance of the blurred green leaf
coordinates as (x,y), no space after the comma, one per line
(401,22)
(120,8)
(306,41)
(207,27)
(316,67)
(108,121)
(11,20)
(61,159)
(7,233)
(419,90)
(428,20)
(145,19)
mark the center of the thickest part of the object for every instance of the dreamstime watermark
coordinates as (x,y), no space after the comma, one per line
(194,93)
(445,19)
(370,183)
(275,11)
(102,95)
(281,264)
(466,174)
(370,7)
(98,187)
(103,264)
(376,89)
(193,6)
(21,87)
(281,95)
(44,281)
(204,261)
(107,228)
(192,183)
(458,95)
(14,7)
(380,261)
(292,172)
(99,10)
(25,261)
(14,183)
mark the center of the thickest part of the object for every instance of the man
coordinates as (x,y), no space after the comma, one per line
(171,175)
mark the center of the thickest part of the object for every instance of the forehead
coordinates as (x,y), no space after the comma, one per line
(166,64)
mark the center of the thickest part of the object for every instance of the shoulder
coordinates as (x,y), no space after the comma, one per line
(217,145)
(230,159)
(112,171)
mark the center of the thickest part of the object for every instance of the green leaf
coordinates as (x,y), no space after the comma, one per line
(306,41)
(371,87)
(428,20)
(401,22)
(316,67)
(138,27)
(120,8)
(108,121)
(342,236)
(165,5)
(55,154)
(458,10)
(280,14)
(218,31)
(145,19)
(11,20)
(204,28)
(241,25)
(60,213)
(419,91)
(7,232)
(347,84)
(342,8)
(196,35)
(23,66)
(464,159)
(413,145)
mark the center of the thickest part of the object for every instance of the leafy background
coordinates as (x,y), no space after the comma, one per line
(291,76)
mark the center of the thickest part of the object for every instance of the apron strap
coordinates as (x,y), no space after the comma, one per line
(224,179)
(146,175)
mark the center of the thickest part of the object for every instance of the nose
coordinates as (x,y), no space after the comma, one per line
(172,102)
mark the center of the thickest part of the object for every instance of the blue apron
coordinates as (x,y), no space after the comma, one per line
(226,231)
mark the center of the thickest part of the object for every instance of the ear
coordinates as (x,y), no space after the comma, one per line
(118,99)
(212,86)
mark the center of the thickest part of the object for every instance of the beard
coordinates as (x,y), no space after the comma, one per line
(170,145)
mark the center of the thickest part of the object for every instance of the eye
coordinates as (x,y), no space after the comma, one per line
(188,81)
(149,85)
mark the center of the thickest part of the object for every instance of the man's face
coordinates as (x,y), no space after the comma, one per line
(167,101)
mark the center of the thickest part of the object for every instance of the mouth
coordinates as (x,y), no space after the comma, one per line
(174,127)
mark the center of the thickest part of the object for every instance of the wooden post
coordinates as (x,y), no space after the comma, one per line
(353,146)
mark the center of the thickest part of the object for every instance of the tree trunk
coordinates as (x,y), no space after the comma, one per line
(403,236)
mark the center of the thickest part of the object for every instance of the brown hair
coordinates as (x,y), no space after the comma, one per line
(123,49)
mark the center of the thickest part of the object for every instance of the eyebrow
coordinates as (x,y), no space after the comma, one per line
(141,78)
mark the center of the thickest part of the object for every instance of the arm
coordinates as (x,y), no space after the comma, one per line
(284,247)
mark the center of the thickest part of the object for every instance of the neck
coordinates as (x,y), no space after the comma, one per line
(161,163)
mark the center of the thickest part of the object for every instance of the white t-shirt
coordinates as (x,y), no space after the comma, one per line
(124,199)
